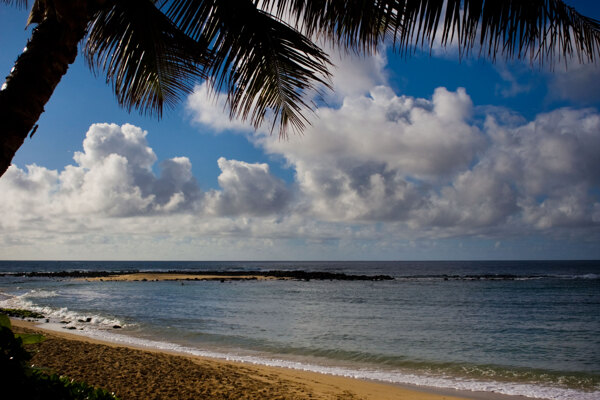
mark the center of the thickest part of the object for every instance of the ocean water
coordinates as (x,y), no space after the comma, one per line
(520,327)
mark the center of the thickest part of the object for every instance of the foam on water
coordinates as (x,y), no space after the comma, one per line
(100,327)
(62,316)
(520,329)
(494,277)
(40,294)
(391,376)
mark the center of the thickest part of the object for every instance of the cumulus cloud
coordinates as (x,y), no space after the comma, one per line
(352,75)
(356,74)
(553,166)
(419,138)
(375,156)
(113,178)
(374,174)
(429,165)
(114,175)
(578,83)
(247,189)
(209,109)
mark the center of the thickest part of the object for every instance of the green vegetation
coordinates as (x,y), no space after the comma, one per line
(42,386)
(22,381)
(19,313)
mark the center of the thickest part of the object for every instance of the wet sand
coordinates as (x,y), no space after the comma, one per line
(133,373)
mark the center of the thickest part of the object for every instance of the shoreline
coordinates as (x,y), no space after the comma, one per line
(119,364)
(191,275)
(165,276)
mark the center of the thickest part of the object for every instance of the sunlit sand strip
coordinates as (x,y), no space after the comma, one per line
(134,373)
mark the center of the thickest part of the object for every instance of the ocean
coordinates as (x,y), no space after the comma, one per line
(528,328)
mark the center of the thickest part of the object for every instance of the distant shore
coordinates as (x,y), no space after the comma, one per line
(147,276)
(133,373)
(202,275)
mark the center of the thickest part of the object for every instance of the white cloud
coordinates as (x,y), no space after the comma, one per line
(209,109)
(113,177)
(370,176)
(427,165)
(375,157)
(352,75)
(247,189)
(578,83)
(420,138)
(356,74)
(573,209)
(127,141)
(511,87)
(476,201)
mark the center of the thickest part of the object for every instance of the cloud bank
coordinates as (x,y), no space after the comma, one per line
(378,173)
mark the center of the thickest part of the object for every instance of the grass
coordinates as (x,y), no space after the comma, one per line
(19,313)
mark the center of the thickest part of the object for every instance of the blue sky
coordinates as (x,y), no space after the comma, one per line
(426,157)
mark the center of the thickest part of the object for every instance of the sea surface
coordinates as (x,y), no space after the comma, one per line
(527,328)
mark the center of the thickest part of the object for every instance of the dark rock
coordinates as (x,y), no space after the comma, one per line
(280,274)
(21,313)
(297,274)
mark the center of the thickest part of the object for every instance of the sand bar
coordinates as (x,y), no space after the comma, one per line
(146,276)
(133,373)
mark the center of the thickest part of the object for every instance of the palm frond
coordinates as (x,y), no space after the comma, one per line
(278,71)
(38,12)
(17,3)
(356,24)
(261,62)
(149,62)
(533,29)
(542,30)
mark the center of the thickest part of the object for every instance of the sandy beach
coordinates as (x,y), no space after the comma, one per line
(133,373)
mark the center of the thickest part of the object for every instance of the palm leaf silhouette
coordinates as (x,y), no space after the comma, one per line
(264,54)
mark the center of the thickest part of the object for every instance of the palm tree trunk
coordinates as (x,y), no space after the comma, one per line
(49,52)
